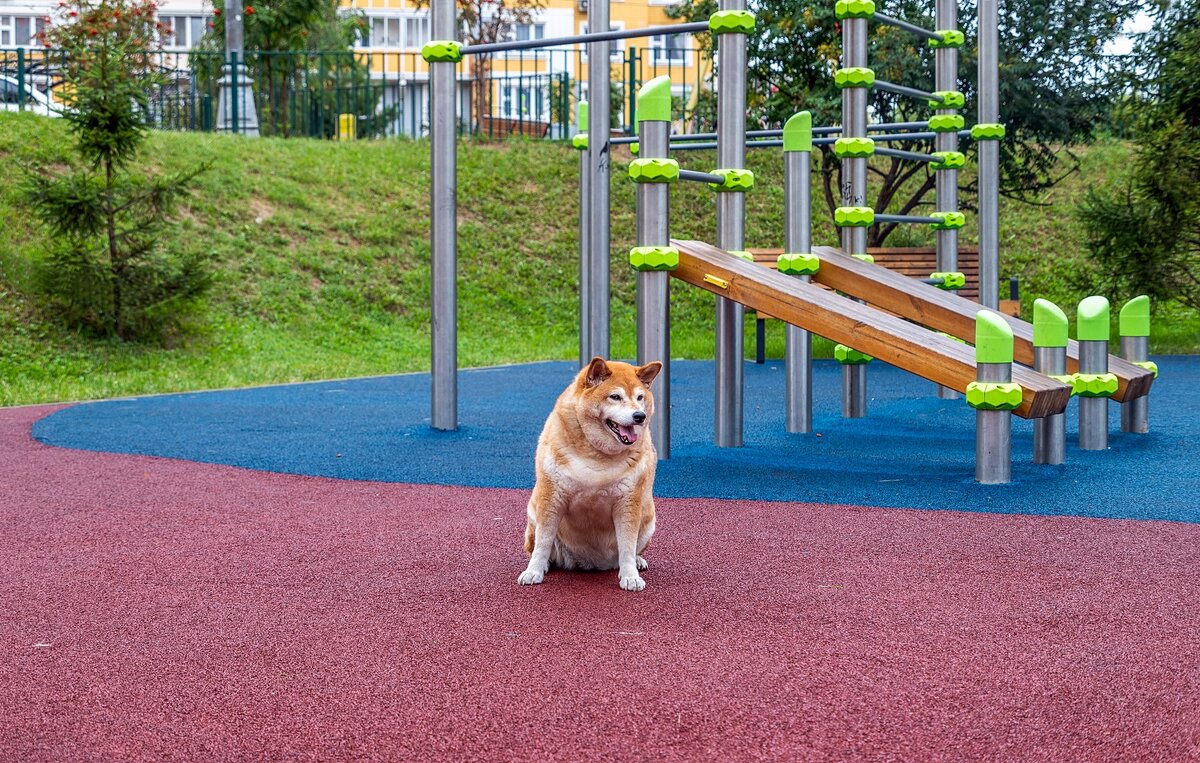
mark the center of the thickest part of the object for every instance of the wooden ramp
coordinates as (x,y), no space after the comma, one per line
(865,328)
(945,311)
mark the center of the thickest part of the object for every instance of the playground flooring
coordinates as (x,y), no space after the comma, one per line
(309,572)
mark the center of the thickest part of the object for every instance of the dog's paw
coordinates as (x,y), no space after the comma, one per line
(530,577)
(641,563)
(632,582)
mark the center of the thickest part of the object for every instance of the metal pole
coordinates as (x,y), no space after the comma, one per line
(731,217)
(598,179)
(797,235)
(653,294)
(235,97)
(1050,337)
(1135,347)
(945,76)
(1050,432)
(854,193)
(581,144)
(989,156)
(1092,330)
(444,244)
(993,432)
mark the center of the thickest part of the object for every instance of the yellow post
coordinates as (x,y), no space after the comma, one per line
(346,127)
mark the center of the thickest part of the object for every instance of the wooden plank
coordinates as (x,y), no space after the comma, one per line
(891,339)
(943,311)
(913,262)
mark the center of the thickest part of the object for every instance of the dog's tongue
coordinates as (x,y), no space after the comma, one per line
(628,432)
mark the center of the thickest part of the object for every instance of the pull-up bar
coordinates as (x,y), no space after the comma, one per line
(911,92)
(910,155)
(615,34)
(775,133)
(879,218)
(885,19)
(701,177)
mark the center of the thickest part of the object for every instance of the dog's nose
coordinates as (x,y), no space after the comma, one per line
(639,417)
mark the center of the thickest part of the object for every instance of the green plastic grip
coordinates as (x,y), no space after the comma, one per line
(951,38)
(994,396)
(654,100)
(735,180)
(853,217)
(951,280)
(1094,385)
(442,51)
(946,122)
(1135,317)
(853,148)
(951,99)
(798,264)
(579,141)
(987,131)
(741,254)
(848,356)
(854,76)
(949,160)
(864,257)
(731,22)
(654,258)
(1149,365)
(854,9)
(645,170)
(1091,320)
(797,132)
(993,338)
(1049,324)
(949,220)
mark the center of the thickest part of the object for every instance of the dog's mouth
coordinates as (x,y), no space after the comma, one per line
(626,433)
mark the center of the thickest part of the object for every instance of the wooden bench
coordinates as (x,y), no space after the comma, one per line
(913,261)
(501,127)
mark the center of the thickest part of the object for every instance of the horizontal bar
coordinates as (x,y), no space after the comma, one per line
(911,92)
(917,136)
(890,21)
(712,146)
(701,177)
(907,219)
(910,155)
(834,130)
(933,281)
(615,34)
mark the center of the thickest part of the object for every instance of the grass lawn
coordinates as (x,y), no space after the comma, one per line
(321,257)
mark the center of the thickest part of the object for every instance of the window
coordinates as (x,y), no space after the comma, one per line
(416,31)
(616,48)
(186,31)
(670,47)
(529,32)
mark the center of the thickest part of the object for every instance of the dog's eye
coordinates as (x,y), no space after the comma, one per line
(614,396)
(641,398)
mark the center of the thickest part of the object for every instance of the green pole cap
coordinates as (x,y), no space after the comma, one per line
(854,76)
(797,132)
(993,338)
(1049,324)
(654,258)
(654,100)
(1091,320)
(994,396)
(731,22)
(581,112)
(1135,317)
(442,51)
(854,217)
(798,264)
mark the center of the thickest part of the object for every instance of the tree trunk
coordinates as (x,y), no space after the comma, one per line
(114,258)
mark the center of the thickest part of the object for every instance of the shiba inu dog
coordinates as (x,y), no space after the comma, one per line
(592,506)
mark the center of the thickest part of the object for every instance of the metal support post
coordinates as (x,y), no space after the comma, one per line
(580,143)
(598,179)
(1093,331)
(444,243)
(1135,347)
(945,77)
(236,112)
(854,193)
(731,217)
(653,294)
(989,156)
(993,396)
(1050,359)
(797,242)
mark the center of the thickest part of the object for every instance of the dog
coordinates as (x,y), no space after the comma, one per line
(592,506)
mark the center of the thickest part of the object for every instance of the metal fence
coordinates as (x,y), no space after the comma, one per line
(307,94)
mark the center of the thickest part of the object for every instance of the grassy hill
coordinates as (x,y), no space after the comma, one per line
(321,257)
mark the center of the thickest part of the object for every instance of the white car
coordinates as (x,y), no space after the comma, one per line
(36,101)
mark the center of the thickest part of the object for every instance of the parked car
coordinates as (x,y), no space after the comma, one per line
(35,100)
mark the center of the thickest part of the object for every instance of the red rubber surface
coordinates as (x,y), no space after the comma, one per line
(154,609)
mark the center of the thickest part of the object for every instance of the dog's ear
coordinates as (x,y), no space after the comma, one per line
(648,372)
(597,372)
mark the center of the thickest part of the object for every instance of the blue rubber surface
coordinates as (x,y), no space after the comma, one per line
(912,451)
